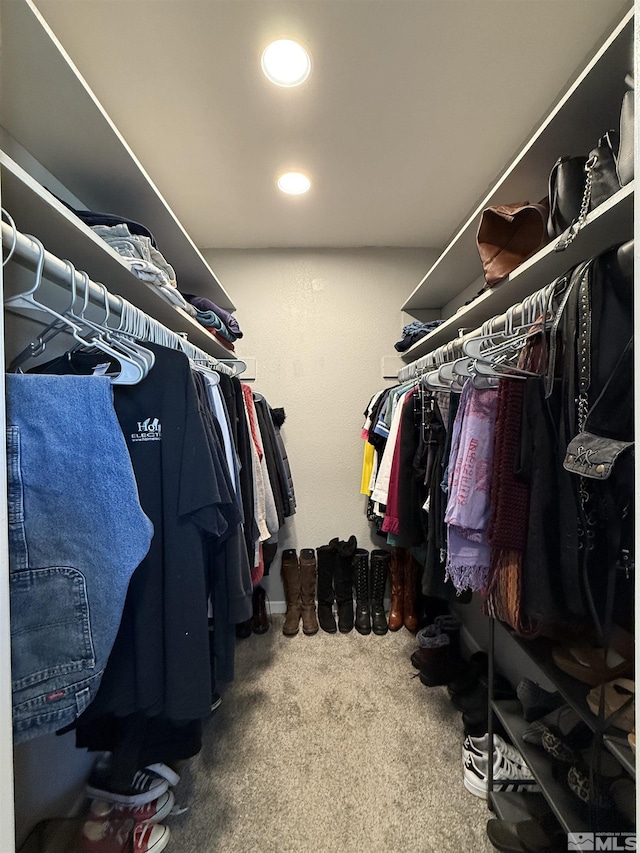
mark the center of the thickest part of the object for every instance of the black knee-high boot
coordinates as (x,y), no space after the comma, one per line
(361,583)
(379,572)
(326,556)
(344,583)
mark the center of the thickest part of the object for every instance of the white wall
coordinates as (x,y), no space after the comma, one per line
(319,324)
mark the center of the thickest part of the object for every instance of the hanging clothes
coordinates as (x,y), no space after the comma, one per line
(231,390)
(157,684)
(510,497)
(77,533)
(160,662)
(468,507)
(271,453)
(278,418)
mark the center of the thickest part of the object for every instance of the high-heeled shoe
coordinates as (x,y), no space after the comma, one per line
(618,699)
(594,665)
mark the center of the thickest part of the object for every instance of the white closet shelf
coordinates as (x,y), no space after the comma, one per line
(608,224)
(589,107)
(50,110)
(37,212)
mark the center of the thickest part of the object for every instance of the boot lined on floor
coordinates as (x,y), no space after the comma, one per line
(396,572)
(438,656)
(244,629)
(361,583)
(259,620)
(410,592)
(290,573)
(379,571)
(344,583)
(308,571)
(326,557)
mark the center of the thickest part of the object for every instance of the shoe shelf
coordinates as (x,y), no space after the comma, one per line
(570,811)
(574,693)
(619,747)
(517,807)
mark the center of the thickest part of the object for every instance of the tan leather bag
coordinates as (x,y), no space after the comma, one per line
(508,234)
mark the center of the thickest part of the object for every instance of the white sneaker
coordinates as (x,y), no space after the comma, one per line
(479,748)
(104,836)
(144,788)
(507,775)
(165,772)
(153,812)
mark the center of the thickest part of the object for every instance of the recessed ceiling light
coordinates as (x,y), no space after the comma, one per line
(294,183)
(286,63)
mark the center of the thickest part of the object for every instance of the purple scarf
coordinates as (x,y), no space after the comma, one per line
(468,509)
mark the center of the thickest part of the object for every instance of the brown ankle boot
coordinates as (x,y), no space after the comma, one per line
(308,572)
(290,573)
(411,567)
(396,575)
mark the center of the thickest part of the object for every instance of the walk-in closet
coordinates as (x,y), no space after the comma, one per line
(319,527)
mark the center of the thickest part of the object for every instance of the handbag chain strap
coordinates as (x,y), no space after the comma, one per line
(587,518)
(579,221)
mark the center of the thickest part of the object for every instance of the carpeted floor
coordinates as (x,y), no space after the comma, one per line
(327,743)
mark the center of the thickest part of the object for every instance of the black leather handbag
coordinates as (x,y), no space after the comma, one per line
(625,151)
(566,189)
(580,184)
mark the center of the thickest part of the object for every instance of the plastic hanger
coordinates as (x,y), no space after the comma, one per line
(484,382)
(37,347)
(446,373)
(130,370)
(120,343)
(127,340)
(236,364)
(133,365)
(432,381)
(205,369)
(27,300)
(497,359)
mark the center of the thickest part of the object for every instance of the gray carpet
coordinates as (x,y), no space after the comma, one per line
(327,743)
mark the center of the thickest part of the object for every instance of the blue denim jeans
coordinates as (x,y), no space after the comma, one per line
(76,534)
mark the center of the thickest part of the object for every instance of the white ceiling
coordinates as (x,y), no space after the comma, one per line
(412,109)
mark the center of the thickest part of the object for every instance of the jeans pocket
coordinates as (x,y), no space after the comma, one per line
(50,625)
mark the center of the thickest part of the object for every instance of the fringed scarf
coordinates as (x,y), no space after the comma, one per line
(510,500)
(468,508)
(509,509)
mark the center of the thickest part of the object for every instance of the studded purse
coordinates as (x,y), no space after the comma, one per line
(593,456)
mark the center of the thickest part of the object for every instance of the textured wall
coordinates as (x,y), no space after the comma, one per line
(319,324)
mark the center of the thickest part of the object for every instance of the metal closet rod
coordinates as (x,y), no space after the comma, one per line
(453,348)
(22,249)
